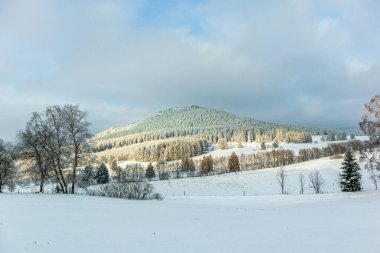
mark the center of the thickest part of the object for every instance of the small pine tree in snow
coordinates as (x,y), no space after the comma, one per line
(87,176)
(233,163)
(263,147)
(102,175)
(350,178)
(149,173)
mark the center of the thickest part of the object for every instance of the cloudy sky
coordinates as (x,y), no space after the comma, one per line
(299,62)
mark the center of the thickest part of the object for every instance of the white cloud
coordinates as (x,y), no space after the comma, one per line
(251,58)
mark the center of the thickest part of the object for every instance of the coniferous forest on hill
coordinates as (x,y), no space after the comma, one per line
(208,124)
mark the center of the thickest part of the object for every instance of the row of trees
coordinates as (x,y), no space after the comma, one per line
(187,167)
(171,151)
(282,135)
(54,144)
(350,177)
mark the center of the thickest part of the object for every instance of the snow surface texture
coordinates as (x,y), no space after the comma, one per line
(341,222)
(259,182)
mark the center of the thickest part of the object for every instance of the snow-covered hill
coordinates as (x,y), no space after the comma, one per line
(192,121)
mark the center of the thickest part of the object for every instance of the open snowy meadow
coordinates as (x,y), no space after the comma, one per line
(278,223)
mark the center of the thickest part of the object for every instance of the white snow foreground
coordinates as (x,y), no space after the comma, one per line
(340,222)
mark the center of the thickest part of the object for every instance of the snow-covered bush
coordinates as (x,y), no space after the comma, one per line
(129,190)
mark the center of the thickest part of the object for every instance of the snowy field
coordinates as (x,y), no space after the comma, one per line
(278,223)
(259,182)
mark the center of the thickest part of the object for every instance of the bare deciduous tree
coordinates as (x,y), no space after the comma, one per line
(301,181)
(316,181)
(32,144)
(55,141)
(77,131)
(374,174)
(7,168)
(370,123)
(282,175)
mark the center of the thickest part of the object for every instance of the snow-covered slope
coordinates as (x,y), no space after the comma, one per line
(258,182)
(263,224)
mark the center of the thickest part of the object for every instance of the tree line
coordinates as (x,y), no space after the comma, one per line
(54,144)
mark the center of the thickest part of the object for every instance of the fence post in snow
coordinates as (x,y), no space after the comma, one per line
(184,193)
(244,193)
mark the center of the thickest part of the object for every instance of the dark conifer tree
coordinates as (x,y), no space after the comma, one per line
(210,164)
(102,175)
(350,178)
(204,166)
(150,173)
(233,163)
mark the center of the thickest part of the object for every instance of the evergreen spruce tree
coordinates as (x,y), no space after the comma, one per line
(87,176)
(233,163)
(204,166)
(210,164)
(102,175)
(149,173)
(184,165)
(263,147)
(191,166)
(350,178)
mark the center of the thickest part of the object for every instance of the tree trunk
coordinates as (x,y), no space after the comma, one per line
(41,186)
(74,172)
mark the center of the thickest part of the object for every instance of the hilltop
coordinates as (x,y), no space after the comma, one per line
(192,121)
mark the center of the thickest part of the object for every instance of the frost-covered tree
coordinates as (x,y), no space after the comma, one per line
(301,182)
(233,163)
(55,143)
(350,178)
(370,123)
(282,176)
(87,176)
(330,136)
(76,128)
(223,144)
(263,147)
(341,136)
(7,166)
(113,166)
(316,181)
(150,173)
(33,143)
(102,175)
